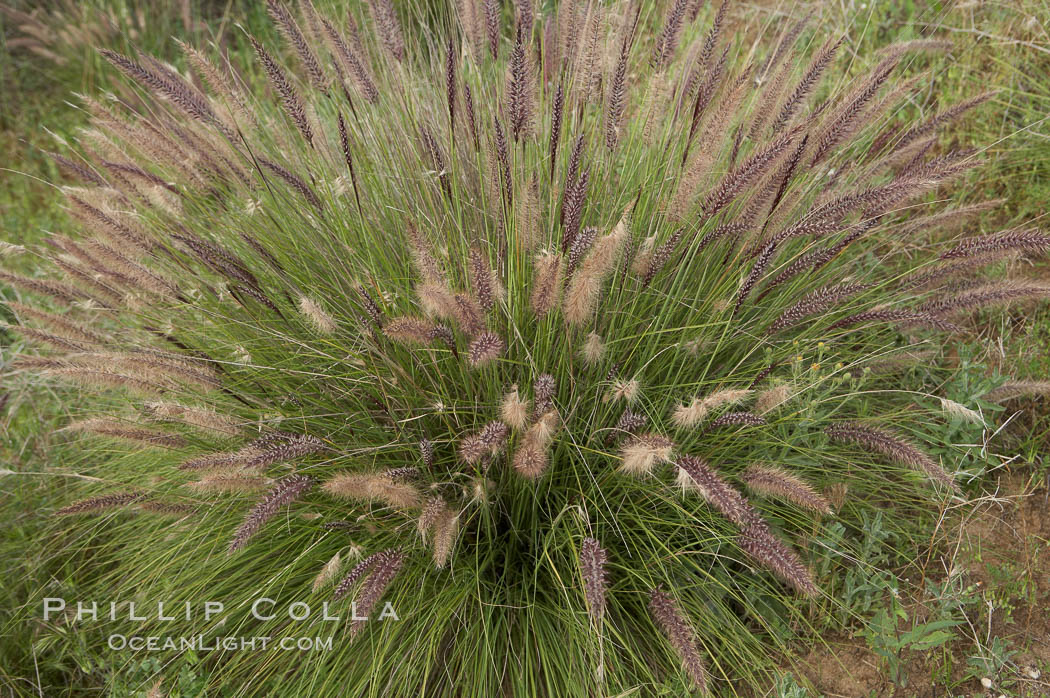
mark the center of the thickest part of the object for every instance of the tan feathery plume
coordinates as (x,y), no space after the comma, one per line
(42,337)
(468,314)
(520,105)
(115,429)
(987,295)
(471,450)
(731,419)
(384,569)
(644,257)
(98,378)
(62,326)
(165,508)
(99,215)
(819,301)
(437,301)
(593,348)
(285,491)
(592,568)
(544,388)
(627,390)
(527,223)
(532,455)
(809,80)
(359,571)
(588,60)
(228,483)
(321,320)
(704,155)
(836,495)
(279,447)
(271,448)
(372,309)
(642,453)
(946,220)
(294,36)
(198,417)
(771,481)
(514,411)
(481,278)
(352,60)
(128,273)
(628,423)
(232,98)
(680,634)
(426,452)
(485,349)
(226,460)
(891,446)
(374,486)
(616,100)
(55,289)
(293,104)
(768,400)
(546,282)
(582,293)
(444,535)
(166,85)
(687,416)
(1013,389)
(144,367)
(768,550)
(423,257)
(957,410)
(431,510)
(695,475)
(661,255)
(9,250)
(487,442)
(388,27)
(100,503)
(441,523)
(327,573)
(1029,241)
(408,330)
(89,284)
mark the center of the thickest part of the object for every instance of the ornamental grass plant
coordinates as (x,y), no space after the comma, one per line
(565,335)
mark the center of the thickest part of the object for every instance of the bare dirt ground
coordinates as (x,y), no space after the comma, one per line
(1001,551)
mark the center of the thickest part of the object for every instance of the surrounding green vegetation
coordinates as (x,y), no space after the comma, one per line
(964,616)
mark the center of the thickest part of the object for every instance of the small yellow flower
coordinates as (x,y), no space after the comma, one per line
(839,366)
(814,367)
(798,357)
(820,345)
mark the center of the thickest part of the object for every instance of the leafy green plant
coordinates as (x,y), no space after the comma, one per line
(991,662)
(889,640)
(492,330)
